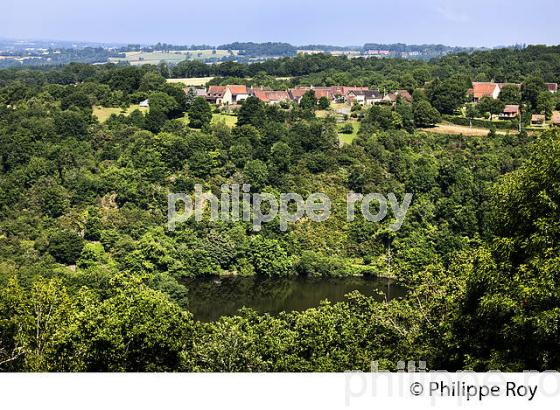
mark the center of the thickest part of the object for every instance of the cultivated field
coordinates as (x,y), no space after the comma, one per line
(190,82)
(461,130)
(155,57)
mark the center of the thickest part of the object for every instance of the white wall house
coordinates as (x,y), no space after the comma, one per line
(234,94)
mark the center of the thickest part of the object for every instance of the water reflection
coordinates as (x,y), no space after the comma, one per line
(211,298)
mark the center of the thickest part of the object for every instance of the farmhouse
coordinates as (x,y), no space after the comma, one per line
(215,94)
(392,97)
(365,97)
(296,93)
(481,90)
(552,87)
(324,92)
(199,92)
(509,112)
(335,93)
(234,94)
(227,94)
(538,119)
(270,97)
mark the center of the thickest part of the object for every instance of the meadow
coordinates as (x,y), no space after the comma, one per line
(348,138)
(103,113)
(174,57)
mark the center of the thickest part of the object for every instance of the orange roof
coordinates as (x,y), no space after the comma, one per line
(480,90)
(298,92)
(556,117)
(277,95)
(215,90)
(238,89)
(270,96)
(260,94)
(322,92)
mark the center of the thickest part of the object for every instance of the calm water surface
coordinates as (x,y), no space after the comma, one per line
(211,298)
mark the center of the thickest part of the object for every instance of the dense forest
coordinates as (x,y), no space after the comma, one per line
(91,279)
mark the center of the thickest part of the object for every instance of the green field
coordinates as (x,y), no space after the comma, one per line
(229,120)
(348,138)
(155,57)
(103,113)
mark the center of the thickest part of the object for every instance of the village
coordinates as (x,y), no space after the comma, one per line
(342,100)
(235,94)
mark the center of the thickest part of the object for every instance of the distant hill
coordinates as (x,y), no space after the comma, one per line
(15,53)
(261,49)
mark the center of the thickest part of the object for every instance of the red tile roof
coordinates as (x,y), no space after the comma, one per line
(237,89)
(481,90)
(271,96)
(329,92)
(297,93)
(322,92)
(277,95)
(216,91)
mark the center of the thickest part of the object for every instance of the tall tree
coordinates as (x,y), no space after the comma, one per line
(510,94)
(308,101)
(424,114)
(447,96)
(252,112)
(531,89)
(200,113)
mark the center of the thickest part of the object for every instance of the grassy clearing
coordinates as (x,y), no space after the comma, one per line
(229,120)
(340,106)
(348,138)
(323,113)
(103,113)
(190,82)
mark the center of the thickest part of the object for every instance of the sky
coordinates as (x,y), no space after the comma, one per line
(457,23)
